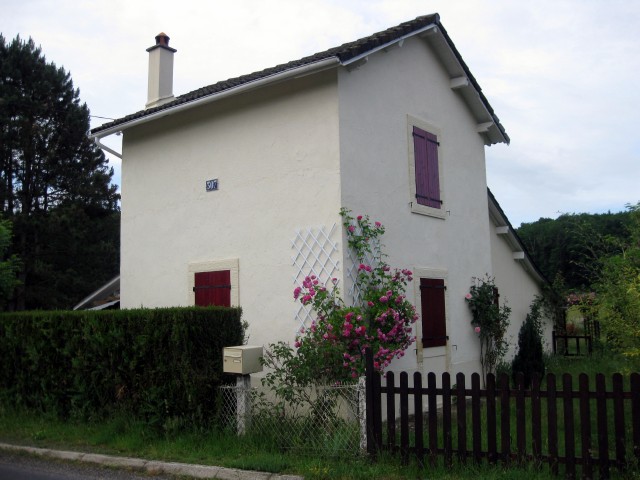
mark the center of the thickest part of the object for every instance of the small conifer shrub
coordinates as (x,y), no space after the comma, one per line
(530,359)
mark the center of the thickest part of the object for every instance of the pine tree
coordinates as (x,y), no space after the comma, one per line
(55,183)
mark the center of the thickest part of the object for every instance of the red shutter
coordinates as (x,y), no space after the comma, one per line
(213,288)
(425,146)
(434,324)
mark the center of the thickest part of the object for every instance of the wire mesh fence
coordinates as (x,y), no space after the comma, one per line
(320,419)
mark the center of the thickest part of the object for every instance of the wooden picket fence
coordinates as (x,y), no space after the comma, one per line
(562,427)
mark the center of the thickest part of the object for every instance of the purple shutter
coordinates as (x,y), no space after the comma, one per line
(213,288)
(434,324)
(425,147)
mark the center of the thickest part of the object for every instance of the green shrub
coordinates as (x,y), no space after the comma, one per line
(530,356)
(161,365)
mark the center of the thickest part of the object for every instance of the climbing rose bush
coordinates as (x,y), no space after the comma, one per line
(332,349)
(490,322)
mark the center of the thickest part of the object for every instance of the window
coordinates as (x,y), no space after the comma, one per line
(425,168)
(212,288)
(214,283)
(425,147)
(434,323)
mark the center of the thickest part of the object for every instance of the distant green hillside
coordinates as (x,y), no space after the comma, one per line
(569,244)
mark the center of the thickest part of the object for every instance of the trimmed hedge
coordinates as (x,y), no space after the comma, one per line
(161,365)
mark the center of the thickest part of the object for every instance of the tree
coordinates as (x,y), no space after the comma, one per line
(568,245)
(617,300)
(9,265)
(55,186)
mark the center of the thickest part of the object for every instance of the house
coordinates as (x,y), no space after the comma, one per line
(231,193)
(107,297)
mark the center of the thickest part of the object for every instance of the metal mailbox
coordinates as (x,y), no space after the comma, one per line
(243,359)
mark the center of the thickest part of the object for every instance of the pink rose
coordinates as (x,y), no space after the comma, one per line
(384,299)
(477,329)
(359,217)
(352,228)
(296,292)
(378,224)
(468,296)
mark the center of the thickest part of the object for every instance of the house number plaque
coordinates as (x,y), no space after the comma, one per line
(211,185)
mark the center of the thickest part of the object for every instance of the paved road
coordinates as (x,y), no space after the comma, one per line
(17,466)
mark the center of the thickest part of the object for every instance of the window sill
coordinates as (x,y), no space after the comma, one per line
(428,211)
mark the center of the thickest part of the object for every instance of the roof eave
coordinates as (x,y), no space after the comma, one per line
(300,71)
(489,125)
(513,240)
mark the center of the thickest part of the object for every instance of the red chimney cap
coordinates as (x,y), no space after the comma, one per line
(162,41)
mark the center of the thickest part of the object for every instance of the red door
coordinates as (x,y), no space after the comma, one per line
(434,320)
(213,288)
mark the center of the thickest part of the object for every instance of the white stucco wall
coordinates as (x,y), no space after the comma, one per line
(287,157)
(516,287)
(378,101)
(275,155)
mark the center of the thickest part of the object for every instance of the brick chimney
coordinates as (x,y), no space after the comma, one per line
(160,89)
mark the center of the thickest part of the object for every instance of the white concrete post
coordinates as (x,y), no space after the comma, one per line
(243,403)
(362,412)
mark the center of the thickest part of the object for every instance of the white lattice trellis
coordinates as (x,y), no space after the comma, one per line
(352,273)
(317,253)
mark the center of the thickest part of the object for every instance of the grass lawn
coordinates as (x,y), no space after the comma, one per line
(127,437)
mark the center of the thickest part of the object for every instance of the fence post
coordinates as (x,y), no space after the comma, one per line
(635,413)
(362,412)
(585,426)
(243,403)
(602,421)
(374,439)
(553,341)
(618,421)
(569,433)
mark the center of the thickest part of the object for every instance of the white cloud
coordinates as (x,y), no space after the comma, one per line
(560,75)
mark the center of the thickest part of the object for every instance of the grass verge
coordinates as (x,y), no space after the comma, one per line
(125,436)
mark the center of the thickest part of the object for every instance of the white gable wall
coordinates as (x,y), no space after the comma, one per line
(275,155)
(516,286)
(378,102)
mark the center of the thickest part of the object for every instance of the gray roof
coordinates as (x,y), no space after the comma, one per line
(343,53)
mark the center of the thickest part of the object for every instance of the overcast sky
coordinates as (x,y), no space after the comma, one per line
(560,75)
